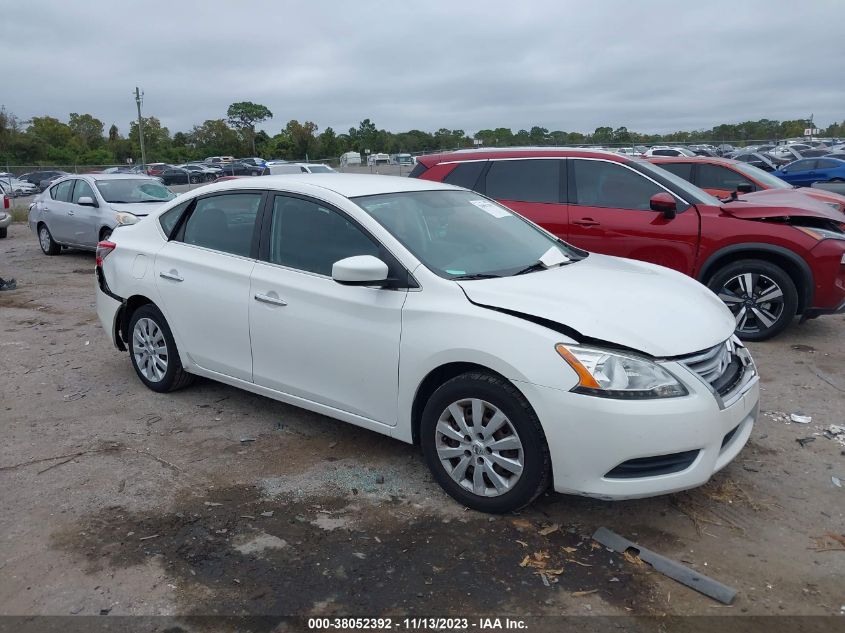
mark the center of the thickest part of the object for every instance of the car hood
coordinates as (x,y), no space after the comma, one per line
(139,208)
(779,203)
(615,301)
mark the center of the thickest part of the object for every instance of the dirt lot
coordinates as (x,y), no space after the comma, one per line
(212,500)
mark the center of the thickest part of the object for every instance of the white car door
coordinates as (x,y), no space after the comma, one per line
(203,277)
(313,338)
(84,220)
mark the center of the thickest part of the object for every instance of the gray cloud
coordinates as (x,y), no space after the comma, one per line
(651,65)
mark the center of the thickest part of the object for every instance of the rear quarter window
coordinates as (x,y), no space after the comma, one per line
(170,218)
(465,174)
(418,171)
(530,180)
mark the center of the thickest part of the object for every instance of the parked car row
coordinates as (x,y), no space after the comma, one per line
(437,316)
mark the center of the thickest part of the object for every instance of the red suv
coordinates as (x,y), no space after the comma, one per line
(723,177)
(768,263)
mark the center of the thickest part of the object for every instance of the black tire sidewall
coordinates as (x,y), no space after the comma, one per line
(524,421)
(151,312)
(778,275)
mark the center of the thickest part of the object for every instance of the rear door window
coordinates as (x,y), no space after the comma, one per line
(169,219)
(526,180)
(62,192)
(224,223)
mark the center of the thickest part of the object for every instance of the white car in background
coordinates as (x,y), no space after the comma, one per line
(664,150)
(434,315)
(278,169)
(15,188)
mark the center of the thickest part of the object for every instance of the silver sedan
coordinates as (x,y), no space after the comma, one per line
(79,211)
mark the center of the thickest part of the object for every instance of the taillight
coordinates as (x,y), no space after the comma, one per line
(103,249)
(5,201)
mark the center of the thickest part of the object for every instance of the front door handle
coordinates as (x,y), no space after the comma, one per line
(172,276)
(586,222)
(70,212)
(275,301)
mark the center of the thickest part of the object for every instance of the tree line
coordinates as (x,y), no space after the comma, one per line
(84,140)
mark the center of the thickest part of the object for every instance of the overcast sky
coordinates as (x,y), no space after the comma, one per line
(653,66)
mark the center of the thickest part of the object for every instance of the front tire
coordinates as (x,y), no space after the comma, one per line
(761,296)
(483,443)
(153,351)
(195,180)
(45,239)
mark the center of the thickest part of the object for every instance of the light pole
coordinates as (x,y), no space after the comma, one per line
(139,96)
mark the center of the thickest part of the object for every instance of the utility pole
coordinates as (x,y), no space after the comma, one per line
(139,96)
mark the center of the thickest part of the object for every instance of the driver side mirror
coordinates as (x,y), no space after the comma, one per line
(744,187)
(664,203)
(360,270)
(86,201)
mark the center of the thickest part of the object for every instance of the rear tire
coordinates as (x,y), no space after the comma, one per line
(195,179)
(761,295)
(45,239)
(153,352)
(470,459)
(4,232)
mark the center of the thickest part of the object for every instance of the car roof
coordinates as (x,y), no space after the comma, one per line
(520,152)
(347,185)
(712,160)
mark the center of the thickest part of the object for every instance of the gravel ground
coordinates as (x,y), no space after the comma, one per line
(212,500)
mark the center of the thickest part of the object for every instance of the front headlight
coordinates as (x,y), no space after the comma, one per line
(613,375)
(126,218)
(821,234)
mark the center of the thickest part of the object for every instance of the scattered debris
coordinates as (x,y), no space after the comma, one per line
(360,555)
(522,524)
(269,513)
(835,432)
(261,542)
(579,594)
(667,567)
(549,529)
(800,418)
(803,441)
(245,440)
(8,284)
(836,481)
(537,560)
(147,538)
(569,550)
(828,542)
(213,504)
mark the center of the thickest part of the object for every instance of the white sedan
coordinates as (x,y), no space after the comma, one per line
(436,316)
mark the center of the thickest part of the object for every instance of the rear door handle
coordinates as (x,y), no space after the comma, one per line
(275,301)
(172,276)
(70,212)
(586,222)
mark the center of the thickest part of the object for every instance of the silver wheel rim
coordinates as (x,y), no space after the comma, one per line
(479,447)
(44,238)
(149,349)
(756,301)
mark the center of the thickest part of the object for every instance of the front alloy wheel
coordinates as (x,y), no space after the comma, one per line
(483,443)
(760,295)
(479,447)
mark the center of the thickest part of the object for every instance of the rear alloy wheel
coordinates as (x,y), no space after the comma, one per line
(153,351)
(195,179)
(48,244)
(483,443)
(761,296)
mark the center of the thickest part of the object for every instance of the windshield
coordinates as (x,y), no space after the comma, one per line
(685,189)
(320,169)
(770,181)
(131,190)
(459,234)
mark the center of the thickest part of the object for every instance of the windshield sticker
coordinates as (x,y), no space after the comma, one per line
(456,272)
(553,257)
(493,209)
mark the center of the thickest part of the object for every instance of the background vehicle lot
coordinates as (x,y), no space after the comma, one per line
(131,465)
